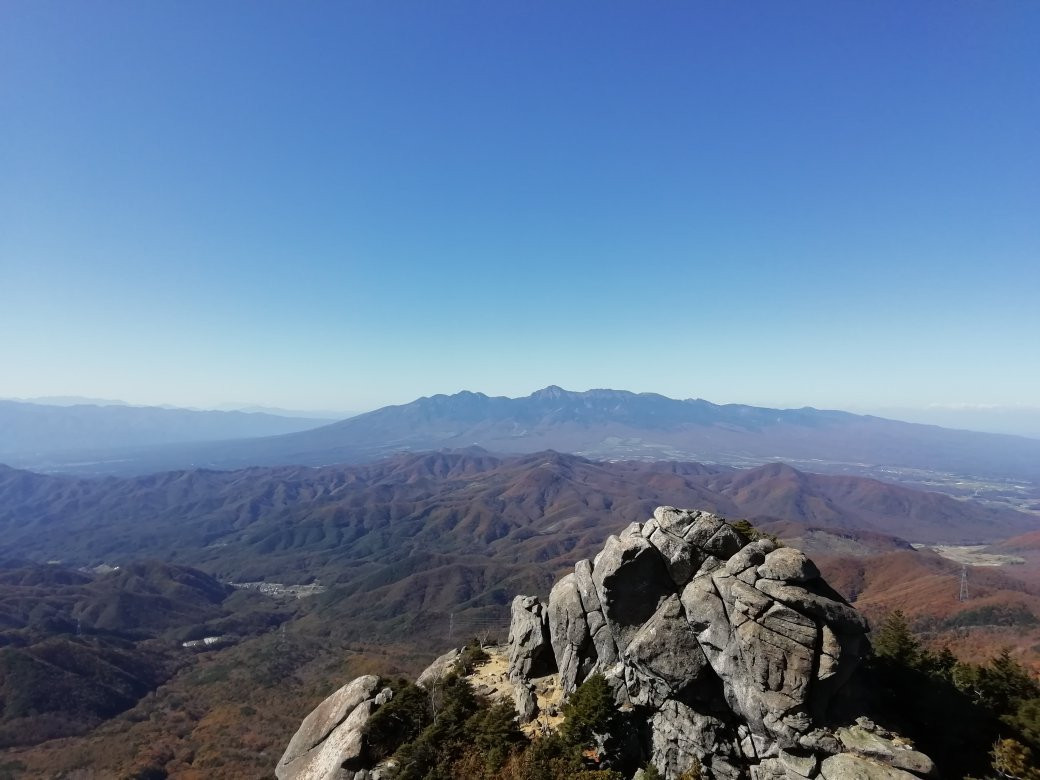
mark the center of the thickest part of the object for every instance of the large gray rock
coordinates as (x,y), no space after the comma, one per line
(842,634)
(868,743)
(530,651)
(602,638)
(666,531)
(631,580)
(701,526)
(569,633)
(799,764)
(586,586)
(762,651)
(331,735)
(681,737)
(664,657)
(707,615)
(846,766)
(723,543)
(673,521)
(439,669)
(524,702)
(788,564)
(746,562)
(836,613)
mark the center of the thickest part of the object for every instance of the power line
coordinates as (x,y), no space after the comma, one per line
(468,626)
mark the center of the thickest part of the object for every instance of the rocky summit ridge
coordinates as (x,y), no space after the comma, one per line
(731,654)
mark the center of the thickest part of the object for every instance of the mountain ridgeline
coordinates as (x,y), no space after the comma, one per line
(607,424)
(260,520)
(33,434)
(424,535)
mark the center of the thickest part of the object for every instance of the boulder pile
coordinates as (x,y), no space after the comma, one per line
(729,655)
(732,651)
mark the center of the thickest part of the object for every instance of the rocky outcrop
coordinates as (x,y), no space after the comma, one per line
(725,653)
(329,742)
(530,651)
(731,651)
(439,669)
(569,633)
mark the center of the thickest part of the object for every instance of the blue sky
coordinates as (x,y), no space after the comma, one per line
(348,204)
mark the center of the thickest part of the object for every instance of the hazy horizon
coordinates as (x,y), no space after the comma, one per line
(1020,420)
(352,205)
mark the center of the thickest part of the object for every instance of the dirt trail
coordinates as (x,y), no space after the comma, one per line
(491,679)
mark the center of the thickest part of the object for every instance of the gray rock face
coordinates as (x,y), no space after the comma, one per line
(602,639)
(329,740)
(439,669)
(681,737)
(631,580)
(663,658)
(524,702)
(799,764)
(846,766)
(731,650)
(530,653)
(788,564)
(868,741)
(569,634)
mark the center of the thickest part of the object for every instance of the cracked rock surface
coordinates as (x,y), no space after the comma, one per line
(329,741)
(730,651)
(723,653)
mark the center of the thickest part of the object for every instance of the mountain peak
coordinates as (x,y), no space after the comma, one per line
(550,393)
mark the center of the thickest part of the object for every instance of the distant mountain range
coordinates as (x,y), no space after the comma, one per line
(606,424)
(404,542)
(324,415)
(257,523)
(74,400)
(31,432)
(1014,419)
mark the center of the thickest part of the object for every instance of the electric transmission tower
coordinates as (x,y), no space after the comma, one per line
(964,584)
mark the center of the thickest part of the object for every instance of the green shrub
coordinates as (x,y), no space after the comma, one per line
(495,734)
(398,721)
(993,615)
(590,714)
(472,655)
(430,755)
(894,642)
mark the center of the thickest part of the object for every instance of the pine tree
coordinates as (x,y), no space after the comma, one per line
(494,732)
(894,641)
(1006,680)
(590,713)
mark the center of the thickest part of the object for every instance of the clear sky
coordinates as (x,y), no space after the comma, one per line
(340,205)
